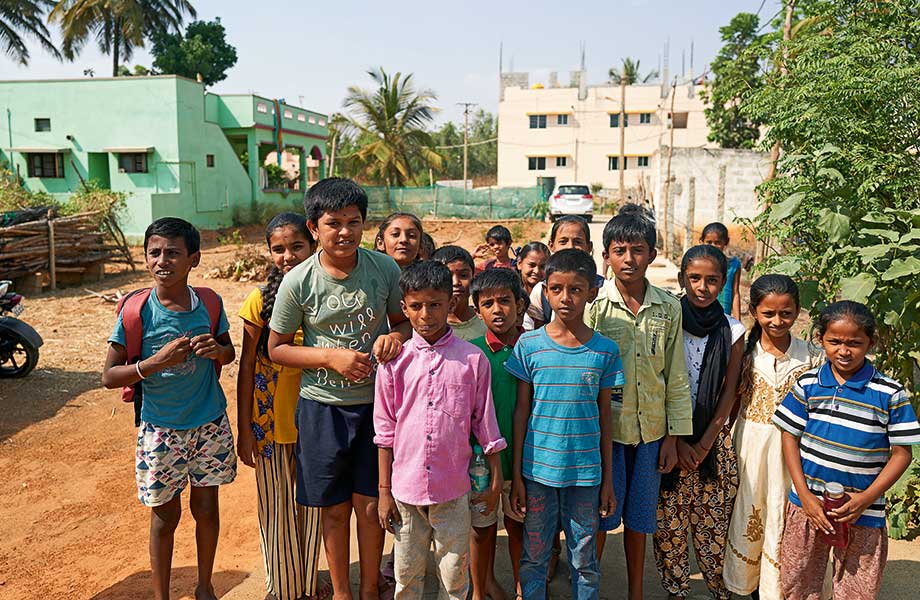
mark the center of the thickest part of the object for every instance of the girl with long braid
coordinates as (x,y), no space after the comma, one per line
(773,360)
(267,435)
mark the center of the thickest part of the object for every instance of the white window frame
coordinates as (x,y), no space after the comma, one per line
(262,107)
(562,120)
(562,161)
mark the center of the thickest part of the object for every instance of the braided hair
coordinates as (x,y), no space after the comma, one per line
(273,281)
(781,285)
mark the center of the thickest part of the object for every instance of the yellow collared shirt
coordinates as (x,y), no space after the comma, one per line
(656,398)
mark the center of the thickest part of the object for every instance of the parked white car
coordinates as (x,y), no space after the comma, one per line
(571,199)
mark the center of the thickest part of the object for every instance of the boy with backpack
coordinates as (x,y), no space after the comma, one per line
(167,348)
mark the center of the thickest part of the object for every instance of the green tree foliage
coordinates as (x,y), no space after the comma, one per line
(737,71)
(117,26)
(844,204)
(630,68)
(20,18)
(388,126)
(203,49)
(483,147)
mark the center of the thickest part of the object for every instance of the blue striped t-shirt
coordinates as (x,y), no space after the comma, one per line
(562,446)
(846,430)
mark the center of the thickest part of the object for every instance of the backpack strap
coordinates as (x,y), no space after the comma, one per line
(214,305)
(130,309)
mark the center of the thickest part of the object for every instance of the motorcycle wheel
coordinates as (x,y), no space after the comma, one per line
(17,356)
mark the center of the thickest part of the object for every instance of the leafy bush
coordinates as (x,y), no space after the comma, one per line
(843,212)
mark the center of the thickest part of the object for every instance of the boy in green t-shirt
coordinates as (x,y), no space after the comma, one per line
(343,298)
(500,300)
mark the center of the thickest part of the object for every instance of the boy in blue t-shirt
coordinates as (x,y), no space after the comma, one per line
(562,430)
(184,434)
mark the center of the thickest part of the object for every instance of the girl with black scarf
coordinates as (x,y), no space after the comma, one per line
(697,496)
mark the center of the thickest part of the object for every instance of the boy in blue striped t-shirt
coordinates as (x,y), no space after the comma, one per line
(563,430)
(845,423)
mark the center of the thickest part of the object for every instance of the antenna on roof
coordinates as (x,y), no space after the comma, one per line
(582,48)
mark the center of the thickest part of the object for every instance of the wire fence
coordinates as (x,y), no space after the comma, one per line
(450,202)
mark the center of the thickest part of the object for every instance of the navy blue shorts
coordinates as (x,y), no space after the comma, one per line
(636,483)
(336,455)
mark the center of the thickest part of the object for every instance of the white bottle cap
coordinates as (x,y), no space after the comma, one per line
(833,489)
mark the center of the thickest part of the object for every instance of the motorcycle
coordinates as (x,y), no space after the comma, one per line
(19,343)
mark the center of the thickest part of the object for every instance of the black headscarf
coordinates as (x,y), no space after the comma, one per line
(702,322)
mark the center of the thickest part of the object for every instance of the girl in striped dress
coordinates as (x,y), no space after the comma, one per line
(267,435)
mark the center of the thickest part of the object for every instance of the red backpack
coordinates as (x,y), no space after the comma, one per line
(130,309)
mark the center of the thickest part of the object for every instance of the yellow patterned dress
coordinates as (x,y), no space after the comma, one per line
(752,558)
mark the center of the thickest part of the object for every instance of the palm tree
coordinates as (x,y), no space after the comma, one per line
(631,70)
(390,123)
(118,26)
(24,17)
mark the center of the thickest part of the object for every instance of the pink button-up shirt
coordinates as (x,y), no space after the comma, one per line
(427,401)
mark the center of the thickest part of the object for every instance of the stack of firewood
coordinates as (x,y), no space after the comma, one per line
(68,244)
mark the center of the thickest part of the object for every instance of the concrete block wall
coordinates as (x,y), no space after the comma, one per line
(743,170)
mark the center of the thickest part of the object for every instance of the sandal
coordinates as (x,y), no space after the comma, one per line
(323,592)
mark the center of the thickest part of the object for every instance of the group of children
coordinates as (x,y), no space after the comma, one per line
(370,387)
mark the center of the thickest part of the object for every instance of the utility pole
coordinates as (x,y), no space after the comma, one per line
(622,160)
(666,199)
(466,138)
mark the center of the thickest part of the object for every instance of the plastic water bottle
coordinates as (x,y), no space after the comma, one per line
(480,477)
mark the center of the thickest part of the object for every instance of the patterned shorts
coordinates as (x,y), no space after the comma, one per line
(167,459)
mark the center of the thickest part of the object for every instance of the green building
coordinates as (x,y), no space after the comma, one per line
(174,148)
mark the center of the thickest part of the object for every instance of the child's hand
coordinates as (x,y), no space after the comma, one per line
(173,353)
(608,500)
(246,447)
(687,457)
(386,348)
(489,499)
(205,346)
(667,456)
(518,497)
(814,510)
(387,512)
(351,365)
(853,509)
(483,251)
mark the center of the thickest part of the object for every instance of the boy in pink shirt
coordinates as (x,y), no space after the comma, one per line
(428,401)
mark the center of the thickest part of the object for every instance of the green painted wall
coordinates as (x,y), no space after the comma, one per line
(183,123)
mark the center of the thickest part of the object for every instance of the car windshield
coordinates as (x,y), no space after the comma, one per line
(580,190)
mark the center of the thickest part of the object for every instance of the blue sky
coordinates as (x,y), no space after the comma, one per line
(291,49)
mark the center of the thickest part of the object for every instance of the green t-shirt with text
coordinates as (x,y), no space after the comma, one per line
(338,313)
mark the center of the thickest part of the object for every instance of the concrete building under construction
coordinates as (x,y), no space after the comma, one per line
(570,131)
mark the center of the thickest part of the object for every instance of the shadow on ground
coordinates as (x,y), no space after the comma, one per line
(40,395)
(137,585)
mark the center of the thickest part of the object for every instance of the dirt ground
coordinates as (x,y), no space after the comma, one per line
(72,526)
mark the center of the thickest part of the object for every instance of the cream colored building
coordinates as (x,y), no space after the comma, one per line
(572,133)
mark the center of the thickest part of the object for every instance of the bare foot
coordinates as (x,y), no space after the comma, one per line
(205,593)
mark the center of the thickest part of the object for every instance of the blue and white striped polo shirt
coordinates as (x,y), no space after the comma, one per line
(846,430)
(562,445)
